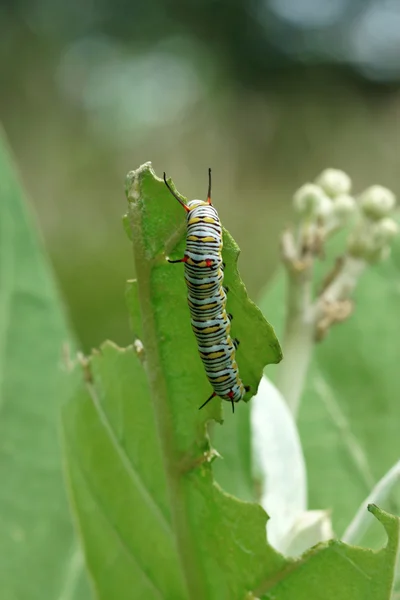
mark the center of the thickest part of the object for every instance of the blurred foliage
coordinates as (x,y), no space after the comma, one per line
(36,536)
(350,410)
(264,92)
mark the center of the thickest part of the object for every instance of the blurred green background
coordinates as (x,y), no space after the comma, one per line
(266,92)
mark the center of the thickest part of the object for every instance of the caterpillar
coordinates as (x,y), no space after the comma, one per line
(204,275)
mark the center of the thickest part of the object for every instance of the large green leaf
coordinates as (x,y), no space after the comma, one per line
(350,407)
(39,557)
(153,522)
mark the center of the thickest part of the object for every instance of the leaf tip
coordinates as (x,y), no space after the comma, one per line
(132,182)
(390,522)
(276,347)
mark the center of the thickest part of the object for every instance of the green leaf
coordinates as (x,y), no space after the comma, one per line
(153,522)
(350,409)
(139,533)
(337,571)
(39,557)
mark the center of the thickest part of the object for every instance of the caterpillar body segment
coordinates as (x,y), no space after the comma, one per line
(204,274)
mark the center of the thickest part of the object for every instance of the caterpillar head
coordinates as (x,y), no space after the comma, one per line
(193,203)
(196,203)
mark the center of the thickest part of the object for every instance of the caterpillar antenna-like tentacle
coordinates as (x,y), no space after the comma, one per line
(209,187)
(175,195)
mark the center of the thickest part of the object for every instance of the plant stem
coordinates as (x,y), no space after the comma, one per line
(345,281)
(308,320)
(298,339)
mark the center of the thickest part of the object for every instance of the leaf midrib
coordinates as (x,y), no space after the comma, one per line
(129,467)
(158,392)
(118,536)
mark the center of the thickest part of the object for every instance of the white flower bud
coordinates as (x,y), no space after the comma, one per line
(344,206)
(377,202)
(334,182)
(307,199)
(371,240)
(384,231)
(324,209)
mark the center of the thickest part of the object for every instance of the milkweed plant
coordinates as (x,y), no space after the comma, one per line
(317,297)
(291,497)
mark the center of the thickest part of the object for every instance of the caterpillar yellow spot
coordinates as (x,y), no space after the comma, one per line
(208,329)
(195,238)
(204,307)
(221,378)
(204,286)
(212,355)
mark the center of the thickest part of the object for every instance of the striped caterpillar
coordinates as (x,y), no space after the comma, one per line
(207,298)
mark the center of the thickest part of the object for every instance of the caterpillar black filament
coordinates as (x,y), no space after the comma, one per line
(207,298)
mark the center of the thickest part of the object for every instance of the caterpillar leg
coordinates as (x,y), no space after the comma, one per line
(231,394)
(225,288)
(230,316)
(208,400)
(236,342)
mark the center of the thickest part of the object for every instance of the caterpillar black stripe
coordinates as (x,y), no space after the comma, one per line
(207,298)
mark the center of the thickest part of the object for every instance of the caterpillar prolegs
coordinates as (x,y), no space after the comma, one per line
(204,277)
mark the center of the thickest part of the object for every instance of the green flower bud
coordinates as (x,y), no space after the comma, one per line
(334,182)
(384,231)
(377,202)
(307,199)
(371,240)
(344,206)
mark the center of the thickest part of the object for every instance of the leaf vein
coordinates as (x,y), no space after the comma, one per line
(119,537)
(355,450)
(126,461)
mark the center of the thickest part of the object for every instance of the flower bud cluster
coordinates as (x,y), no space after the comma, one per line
(377,202)
(328,202)
(376,228)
